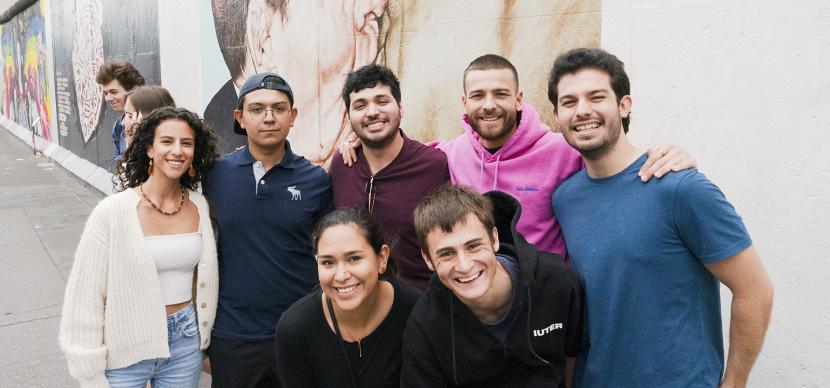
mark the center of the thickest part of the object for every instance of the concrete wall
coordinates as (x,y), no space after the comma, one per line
(744,87)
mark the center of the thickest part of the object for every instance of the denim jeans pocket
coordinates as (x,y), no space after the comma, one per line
(191,326)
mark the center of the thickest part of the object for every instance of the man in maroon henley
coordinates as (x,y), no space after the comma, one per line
(392,172)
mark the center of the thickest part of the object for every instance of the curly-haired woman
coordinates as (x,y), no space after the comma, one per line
(141,298)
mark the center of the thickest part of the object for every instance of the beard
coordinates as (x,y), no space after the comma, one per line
(377,142)
(510,123)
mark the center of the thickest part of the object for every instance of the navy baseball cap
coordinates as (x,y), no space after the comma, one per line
(270,81)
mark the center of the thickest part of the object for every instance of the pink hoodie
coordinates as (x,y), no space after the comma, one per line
(532,163)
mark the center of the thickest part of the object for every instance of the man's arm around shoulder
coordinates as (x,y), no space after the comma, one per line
(752,294)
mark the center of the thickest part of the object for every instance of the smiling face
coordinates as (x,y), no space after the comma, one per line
(172,150)
(131,121)
(115,95)
(348,267)
(491,102)
(267,116)
(588,112)
(375,115)
(465,259)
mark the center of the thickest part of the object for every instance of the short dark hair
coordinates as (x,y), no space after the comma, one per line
(122,71)
(134,171)
(581,58)
(368,77)
(230,18)
(448,205)
(490,62)
(147,98)
(366,225)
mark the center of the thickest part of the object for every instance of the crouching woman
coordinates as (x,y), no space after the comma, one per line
(348,333)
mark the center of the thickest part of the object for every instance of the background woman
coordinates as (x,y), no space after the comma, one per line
(349,332)
(139,104)
(146,254)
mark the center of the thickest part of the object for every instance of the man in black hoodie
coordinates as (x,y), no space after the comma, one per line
(499,312)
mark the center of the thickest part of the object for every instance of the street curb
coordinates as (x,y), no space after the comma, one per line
(95,176)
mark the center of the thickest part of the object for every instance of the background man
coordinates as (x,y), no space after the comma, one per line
(651,255)
(118,79)
(392,173)
(266,200)
(500,313)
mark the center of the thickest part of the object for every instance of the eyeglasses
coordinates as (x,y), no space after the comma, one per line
(259,113)
(371,192)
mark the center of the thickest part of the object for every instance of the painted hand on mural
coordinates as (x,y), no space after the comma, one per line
(87,57)
(276,37)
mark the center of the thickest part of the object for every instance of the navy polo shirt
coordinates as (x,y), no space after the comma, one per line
(266,262)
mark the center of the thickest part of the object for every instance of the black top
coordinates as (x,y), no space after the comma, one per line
(308,354)
(446,345)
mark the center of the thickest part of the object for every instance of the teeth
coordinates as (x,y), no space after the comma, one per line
(375,125)
(346,290)
(490,118)
(471,277)
(584,127)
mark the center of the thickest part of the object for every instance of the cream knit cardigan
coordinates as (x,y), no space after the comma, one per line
(113,312)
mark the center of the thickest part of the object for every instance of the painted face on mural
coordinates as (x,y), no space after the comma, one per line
(588,113)
(492,102)
(115,95)
(279,40)
(375,115)
(267,117)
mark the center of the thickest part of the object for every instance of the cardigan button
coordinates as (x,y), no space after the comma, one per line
(204,323)
(202,284)
(204,305)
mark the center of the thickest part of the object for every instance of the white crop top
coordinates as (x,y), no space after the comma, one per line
(176,256)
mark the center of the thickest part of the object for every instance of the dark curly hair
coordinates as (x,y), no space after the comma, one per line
(370,76)
(124,72)
(368,227)
(134,171)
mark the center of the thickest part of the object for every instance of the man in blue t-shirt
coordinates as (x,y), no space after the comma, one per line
(651,254)
(265,199)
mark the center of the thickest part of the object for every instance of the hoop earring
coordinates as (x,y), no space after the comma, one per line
(150,168)
(191,172)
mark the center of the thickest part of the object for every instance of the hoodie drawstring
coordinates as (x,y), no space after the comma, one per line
(452,341)
(481,172)
(529,343)
(496,174)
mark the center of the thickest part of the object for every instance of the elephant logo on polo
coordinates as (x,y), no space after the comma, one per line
(296,195)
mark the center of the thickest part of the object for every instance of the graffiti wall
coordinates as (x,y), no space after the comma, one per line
(315,44)
(26,96)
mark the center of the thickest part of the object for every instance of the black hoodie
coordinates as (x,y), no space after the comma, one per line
(444,344)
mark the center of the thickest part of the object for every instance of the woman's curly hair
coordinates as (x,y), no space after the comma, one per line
(133,171)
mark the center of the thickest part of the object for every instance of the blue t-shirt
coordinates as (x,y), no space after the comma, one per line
(641,248)
(501,328)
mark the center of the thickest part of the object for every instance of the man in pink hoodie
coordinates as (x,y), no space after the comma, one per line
(506,147)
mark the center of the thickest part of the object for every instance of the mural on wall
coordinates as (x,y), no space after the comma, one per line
(86,33)
(26,92)
(428,43)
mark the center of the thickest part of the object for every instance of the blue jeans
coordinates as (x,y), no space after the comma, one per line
(182,369)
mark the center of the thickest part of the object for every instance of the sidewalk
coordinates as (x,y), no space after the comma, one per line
(43,209)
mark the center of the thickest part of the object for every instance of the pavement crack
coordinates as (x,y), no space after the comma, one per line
(30,320)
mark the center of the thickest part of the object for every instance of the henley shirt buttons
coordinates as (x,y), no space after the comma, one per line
(202,284)
(262,182)
(204,305)
(204,323)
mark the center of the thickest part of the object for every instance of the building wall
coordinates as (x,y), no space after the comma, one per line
(743,86)
(740,85)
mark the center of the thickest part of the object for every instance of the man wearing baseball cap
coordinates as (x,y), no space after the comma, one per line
(265,200)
